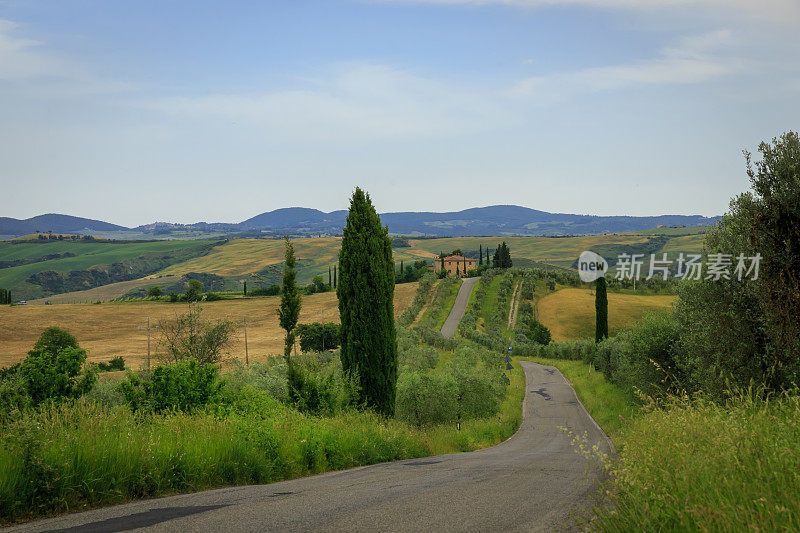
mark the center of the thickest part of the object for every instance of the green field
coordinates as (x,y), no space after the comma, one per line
(260,260)
(87,255)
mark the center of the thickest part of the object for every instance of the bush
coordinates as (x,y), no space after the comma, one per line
(181,386)
(418,358)
(213,297)
(272,290)
(426,398)
(117,363)
(53,369)
(318,337)
(155,291)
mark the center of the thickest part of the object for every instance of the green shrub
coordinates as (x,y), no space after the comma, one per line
(54,369)
(117,363)
(272,290)
(425,398)
(181,386)
(418,358)
(318,337)
(213,297)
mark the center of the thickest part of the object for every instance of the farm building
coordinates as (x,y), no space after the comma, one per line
(455,264)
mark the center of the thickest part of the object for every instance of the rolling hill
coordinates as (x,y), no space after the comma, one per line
(502,220)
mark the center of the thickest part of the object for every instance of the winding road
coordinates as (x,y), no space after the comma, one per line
(460,305)
(534,481)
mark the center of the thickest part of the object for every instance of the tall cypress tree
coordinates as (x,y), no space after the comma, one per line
(330,278)
(601,310)
(334,276)
(289,311)
(480,254)
(366,306)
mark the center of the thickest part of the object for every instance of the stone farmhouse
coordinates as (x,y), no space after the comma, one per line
(455,264)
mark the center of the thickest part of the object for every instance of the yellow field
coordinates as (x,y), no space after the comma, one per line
(546,249)
(110,329)
(686,243)
(570,315)
(105,292)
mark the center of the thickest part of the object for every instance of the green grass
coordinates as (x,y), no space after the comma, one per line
(82,455)
(697,466)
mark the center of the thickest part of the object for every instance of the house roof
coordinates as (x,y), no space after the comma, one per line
(458,258)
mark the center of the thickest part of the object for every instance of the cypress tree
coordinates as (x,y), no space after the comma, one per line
(244,289)
(330,279)
(334,276)
(601,310)
(289,311)
(366,306)
(480,255)
(465,267)
(401,268)
(441,259)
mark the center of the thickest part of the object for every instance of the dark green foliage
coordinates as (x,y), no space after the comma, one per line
(318,337)
(194,291)
(181,386)
(272,290)
(334,275)
(5,296)
(400,242)
(173,297)
(528,328)
(480,255)
(366,307)
(117,363)
(291,300)
(53,369)
(244,288)
(317,285)
(155,292)
(212,297)
(320,392)
(502,256)
(601,310)
(412,273)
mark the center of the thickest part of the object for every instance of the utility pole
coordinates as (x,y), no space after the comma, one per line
(148,328)
(245,323)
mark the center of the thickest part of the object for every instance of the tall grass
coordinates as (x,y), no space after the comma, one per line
(694,465)
(82,454)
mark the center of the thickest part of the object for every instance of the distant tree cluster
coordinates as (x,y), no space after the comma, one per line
(5,296)
(411,273)
(502,256)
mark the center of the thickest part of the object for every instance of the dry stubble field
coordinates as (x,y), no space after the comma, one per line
(569,313)
(110,329)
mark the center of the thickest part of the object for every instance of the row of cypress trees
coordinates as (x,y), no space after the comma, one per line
(5,296)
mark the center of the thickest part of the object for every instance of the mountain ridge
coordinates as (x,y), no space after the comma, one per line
(475,221)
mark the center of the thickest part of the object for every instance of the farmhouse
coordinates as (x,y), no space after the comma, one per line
(455,264)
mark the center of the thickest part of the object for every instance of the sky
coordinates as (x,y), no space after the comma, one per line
(186,111)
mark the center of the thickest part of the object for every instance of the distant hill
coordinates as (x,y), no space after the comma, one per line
(493,220)
(55,223)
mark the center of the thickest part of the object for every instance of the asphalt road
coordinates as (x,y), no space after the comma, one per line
(460,305)
(533,481)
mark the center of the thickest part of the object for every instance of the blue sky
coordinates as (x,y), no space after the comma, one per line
(133,112)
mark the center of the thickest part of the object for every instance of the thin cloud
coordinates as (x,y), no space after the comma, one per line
(692,60)
(781,11)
